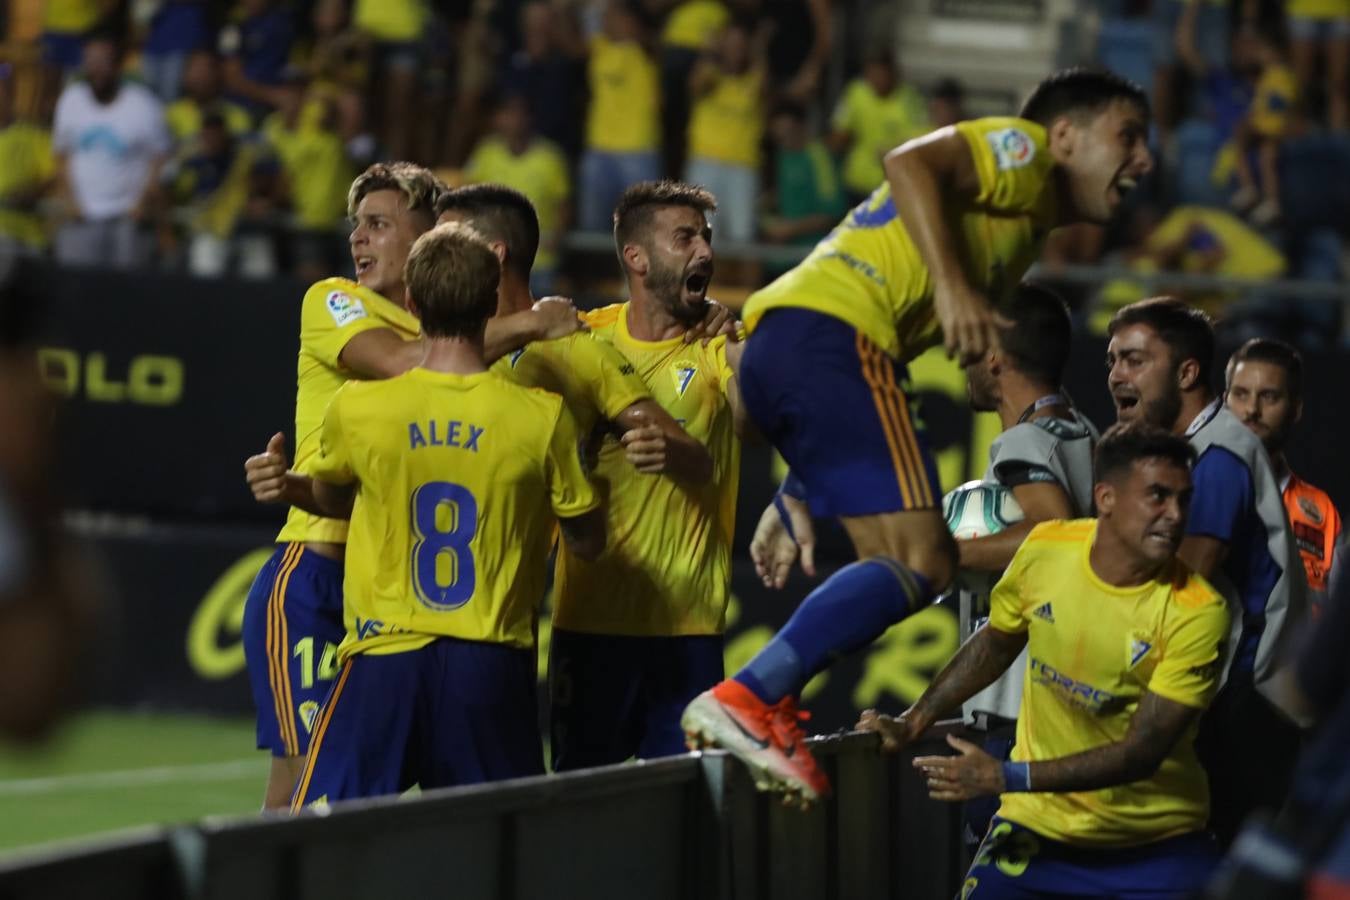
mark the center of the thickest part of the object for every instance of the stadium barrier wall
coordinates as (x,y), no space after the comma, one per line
(687,827)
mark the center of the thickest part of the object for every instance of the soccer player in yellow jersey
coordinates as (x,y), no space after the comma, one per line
(637,633)
(1103,795)
(600,387)
(453,477)
(361,329)
(925,260)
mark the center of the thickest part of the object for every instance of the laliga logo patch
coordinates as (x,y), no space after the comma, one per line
(345,308)
(1013,148)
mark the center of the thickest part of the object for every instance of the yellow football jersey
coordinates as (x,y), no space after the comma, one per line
(667,568)
(593,379)
(334,311)
(727,123)
(458,481)
(869,273)
(1093,650)
(624,114)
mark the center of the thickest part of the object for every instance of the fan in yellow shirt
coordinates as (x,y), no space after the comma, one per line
(926,259)
(514,156)
(726,129)
(202,80)
(453,476)
(638,632)
(293,613)
(623,127)
(876,112)
(28,173)
(1124,651)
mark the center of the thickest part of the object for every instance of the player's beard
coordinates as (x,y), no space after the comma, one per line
(666,284)
(1162,411)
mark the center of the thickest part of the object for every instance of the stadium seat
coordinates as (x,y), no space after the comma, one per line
(1125,46)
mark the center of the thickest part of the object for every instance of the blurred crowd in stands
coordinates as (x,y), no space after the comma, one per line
(212,137)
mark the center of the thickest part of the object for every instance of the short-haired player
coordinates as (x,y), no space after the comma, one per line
(1103,794)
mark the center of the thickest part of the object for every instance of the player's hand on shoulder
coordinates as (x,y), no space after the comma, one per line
(266,472)
(970,325)
(646,448)
(557,317)
(775,546)
(896,732)
(717,321)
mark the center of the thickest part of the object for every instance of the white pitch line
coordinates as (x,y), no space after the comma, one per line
(220,771)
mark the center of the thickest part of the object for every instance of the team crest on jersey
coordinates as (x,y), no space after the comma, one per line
(1013,148)
(1310,510)
(1139,648)
(515,356)
(1045,612)
(345,308)
(309,711)
(684,374)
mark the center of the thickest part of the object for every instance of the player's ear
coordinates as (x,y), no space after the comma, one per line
(635,259)
(1188,373)
(1062,136)
(1103,497)
(499,248)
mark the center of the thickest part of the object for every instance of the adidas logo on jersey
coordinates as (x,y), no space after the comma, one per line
(515,356)
(1044,612)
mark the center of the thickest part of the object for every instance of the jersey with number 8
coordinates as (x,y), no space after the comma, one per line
(459,479)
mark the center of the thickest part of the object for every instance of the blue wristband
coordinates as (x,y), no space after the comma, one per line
(1016,777)
(793,487)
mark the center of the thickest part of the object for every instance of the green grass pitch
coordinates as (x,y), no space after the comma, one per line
(104,771)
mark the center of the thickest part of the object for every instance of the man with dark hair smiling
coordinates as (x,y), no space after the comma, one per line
(1160,356)
(1103,794)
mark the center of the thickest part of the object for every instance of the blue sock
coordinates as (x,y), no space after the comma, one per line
(850,610)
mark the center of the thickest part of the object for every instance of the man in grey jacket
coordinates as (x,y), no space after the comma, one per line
(1238,537)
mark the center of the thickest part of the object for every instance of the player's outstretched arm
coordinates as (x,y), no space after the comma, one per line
(333,500)
(1041,501)
(548,320)
(980,660)
(656,444)
(585,534)
(1154,730)
(920,173)
(379,353)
